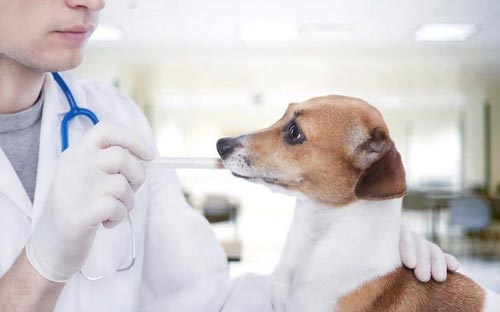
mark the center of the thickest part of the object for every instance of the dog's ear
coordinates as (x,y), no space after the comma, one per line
(383,175)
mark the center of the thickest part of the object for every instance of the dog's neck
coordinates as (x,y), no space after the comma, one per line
(332,251)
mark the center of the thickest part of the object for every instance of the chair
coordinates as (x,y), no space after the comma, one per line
(471,215)
(219,209)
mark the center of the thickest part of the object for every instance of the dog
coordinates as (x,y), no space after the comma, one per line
(335,154)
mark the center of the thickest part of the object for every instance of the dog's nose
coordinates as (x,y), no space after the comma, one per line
(226,146)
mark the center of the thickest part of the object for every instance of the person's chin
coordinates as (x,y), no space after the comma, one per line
(63,61)
(70,64)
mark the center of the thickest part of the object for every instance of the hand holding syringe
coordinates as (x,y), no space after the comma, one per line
(186,163)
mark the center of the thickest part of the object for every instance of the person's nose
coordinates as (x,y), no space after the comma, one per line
(92,5)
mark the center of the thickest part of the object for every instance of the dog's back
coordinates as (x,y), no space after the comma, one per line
(400,291)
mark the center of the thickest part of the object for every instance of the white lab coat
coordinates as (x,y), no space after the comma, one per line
(180,266)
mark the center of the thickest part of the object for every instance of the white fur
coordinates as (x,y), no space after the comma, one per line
(238,163)
(332,251)
(492,303)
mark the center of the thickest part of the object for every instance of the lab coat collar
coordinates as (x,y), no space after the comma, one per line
(11,186)
(55,105)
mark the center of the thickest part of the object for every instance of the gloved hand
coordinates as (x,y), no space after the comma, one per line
(426,258)
(94,182)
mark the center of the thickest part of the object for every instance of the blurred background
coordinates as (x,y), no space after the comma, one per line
(205,70)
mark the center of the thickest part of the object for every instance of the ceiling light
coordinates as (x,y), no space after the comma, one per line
(107,33)
(445,32)
(262,31)
(326,30)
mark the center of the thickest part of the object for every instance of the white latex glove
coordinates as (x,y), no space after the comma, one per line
(426,258)
(94,182)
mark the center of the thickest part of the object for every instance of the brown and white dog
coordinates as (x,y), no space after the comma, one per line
(335,154)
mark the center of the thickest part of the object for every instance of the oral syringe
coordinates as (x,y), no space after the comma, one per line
(186,163)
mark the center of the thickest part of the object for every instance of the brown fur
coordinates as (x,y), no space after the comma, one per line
(400,291)
(345,136)
(384,179)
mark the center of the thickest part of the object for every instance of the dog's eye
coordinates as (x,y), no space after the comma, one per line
(293,134)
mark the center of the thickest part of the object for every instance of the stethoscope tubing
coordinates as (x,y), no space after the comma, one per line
(74,112)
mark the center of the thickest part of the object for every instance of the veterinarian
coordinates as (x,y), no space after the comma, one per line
(52,204)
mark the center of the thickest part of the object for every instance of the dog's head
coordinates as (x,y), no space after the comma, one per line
(333,149)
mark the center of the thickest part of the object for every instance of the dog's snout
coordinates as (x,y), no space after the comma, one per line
(226,146)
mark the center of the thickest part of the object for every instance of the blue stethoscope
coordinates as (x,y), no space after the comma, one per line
(75,111)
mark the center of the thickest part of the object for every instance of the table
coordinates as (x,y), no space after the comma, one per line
(437,202)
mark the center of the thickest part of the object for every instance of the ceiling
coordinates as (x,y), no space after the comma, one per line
(359,23)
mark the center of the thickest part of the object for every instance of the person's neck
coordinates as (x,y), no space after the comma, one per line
(331,251)
(20,86)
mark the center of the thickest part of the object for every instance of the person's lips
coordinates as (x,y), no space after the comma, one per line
(76,34)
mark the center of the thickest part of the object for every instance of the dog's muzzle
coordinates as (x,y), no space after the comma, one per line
(226,146)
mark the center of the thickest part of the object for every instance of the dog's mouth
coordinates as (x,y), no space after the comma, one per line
(265,179)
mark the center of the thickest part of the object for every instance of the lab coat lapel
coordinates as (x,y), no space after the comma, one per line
(11,186)
(55,106)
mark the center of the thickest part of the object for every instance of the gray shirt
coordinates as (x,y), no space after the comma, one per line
(20,140)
